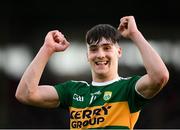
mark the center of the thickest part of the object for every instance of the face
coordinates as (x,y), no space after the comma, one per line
(103,58)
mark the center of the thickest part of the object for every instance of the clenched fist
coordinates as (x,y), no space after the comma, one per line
(55,41)
(127,26)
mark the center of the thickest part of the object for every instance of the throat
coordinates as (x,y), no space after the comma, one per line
(103,83)
(104,78)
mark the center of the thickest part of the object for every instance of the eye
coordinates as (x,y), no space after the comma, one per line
(93,49)
(107,48)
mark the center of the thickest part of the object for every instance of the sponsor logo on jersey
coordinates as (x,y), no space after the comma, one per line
(96,93)
(107,95)
(110,114)
(78,97)
(89,117)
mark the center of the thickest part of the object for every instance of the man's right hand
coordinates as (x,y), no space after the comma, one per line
(55,41)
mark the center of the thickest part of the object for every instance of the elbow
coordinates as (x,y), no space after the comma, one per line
(23,96)
(156,84)
(162,79)
(19,97)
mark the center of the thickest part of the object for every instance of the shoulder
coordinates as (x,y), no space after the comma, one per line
(79,82)
(124,84)
(128,83)
(128,80)
(134,77)
(72,84)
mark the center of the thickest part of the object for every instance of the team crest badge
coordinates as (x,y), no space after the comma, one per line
(107,95)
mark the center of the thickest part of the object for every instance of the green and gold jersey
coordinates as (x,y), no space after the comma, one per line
(113,105)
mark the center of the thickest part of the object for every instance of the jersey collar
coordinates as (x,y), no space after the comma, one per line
(105,83)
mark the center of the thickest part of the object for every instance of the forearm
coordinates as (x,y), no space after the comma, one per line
(32,75)
(153,63)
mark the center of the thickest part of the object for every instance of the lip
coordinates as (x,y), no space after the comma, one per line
(101,62)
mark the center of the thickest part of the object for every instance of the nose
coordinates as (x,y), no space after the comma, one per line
(100,53)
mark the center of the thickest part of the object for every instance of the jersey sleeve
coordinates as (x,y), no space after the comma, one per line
(136,101)
(64,93)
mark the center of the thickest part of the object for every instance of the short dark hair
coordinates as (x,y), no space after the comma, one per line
(96,33)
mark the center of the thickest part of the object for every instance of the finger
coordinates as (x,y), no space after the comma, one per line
(123,25)
(62,46)
(123,19)
(58,37)
(126,17)
(120,25)
(58,34)
(66,41)
(54,32)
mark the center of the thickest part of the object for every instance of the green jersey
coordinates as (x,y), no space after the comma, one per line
(113,104)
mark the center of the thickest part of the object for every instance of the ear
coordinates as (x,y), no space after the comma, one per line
(119,52)
(87,56)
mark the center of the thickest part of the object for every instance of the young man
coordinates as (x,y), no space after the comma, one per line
(110,101)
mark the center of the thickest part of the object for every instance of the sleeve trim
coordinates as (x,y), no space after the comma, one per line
(139,92)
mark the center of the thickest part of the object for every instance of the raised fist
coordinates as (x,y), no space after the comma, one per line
(127,26)
(55,41)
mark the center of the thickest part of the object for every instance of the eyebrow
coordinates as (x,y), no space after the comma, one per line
(103,44)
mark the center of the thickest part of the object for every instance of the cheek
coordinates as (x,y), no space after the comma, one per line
(114,58)
(90,57)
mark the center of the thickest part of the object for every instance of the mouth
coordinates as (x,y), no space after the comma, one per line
(101,62)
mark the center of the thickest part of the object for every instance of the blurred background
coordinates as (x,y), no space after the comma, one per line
(24,24)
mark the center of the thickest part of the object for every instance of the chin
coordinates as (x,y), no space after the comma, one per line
(101,73)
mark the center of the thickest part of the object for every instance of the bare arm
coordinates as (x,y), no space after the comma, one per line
(29,91)
(157,74)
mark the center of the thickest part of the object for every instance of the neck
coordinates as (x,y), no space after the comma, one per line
(103,78)
(106,82)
